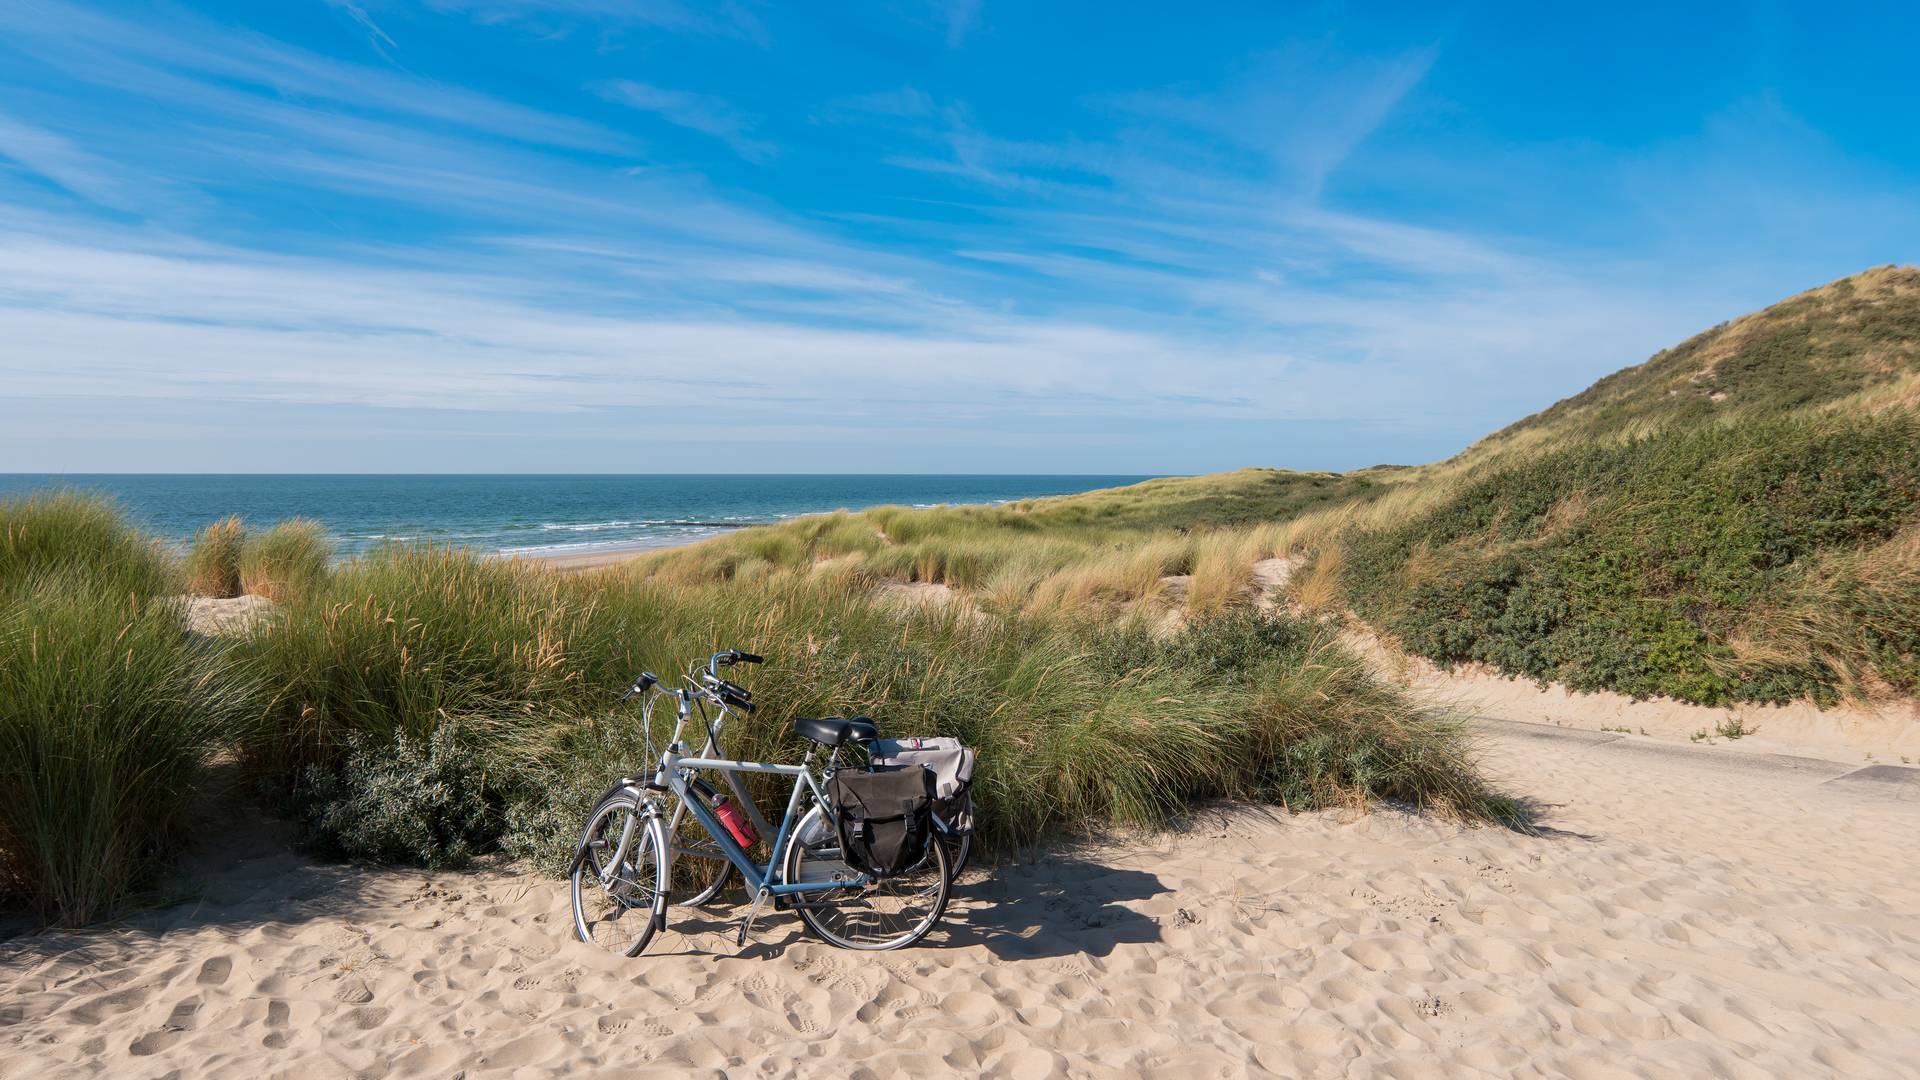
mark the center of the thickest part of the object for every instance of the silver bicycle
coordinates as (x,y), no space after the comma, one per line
(701,872)
(621,872)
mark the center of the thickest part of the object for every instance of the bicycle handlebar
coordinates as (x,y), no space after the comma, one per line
(730,657)
(641,685)
(720,689)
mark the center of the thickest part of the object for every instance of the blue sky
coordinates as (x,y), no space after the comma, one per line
(642,236)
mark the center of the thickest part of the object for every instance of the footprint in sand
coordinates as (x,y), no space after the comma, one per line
(215,971)
(277,1016)
(153,1042)
(1027,1063)
(367,1017)
(96,1009)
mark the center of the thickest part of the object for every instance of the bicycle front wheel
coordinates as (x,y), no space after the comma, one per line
(879,915)
(618,907)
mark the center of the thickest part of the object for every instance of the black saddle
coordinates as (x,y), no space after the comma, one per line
(834,730)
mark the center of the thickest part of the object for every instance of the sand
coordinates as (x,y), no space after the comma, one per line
(1687,911)
(233,615)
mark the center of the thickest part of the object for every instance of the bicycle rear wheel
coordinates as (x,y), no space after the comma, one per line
(879,915)
(959,851)
(620,910)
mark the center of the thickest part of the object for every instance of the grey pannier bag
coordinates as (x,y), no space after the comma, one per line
(885,817)
(952,766)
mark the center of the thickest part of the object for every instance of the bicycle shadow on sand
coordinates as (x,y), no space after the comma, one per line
(1060,904)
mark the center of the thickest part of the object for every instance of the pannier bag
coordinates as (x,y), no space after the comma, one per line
(952,766)
(885,817)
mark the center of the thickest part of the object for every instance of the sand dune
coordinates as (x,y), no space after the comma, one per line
(1685,913)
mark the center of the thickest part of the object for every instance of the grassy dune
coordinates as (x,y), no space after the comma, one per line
(1079,722)
(1734,520)
(425,705)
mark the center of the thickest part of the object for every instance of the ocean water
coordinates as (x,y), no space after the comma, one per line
(528,514)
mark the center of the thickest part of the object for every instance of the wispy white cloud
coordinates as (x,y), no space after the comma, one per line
(1172,260)
(1304,109)
(57,159)
(203,65)
(381,41)
(718,17)
(704,113)
(960,17)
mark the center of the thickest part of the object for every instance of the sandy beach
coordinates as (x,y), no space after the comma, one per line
(1684,911)
(597,558)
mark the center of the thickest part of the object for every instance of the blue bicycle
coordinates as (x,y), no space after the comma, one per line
(622,870)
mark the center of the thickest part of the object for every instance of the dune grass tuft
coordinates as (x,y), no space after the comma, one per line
(213,563)
(108,708)
(286,562)
(84,534)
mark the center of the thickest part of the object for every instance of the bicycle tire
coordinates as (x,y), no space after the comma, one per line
(959,852)
(605,916)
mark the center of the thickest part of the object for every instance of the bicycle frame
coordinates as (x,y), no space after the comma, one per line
(759,878)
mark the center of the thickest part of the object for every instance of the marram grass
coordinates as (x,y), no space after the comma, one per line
(1079,722)
(213,562)
(108,708)
(286,562)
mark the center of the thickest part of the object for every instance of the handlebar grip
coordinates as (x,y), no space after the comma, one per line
(738,702)
(748,658)
(641,685)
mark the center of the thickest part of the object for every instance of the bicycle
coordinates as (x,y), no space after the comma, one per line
(712,873)
(620,871)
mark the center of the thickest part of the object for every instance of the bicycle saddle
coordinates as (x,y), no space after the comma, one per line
(834,730)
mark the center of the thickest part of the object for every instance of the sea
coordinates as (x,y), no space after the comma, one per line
(525,514)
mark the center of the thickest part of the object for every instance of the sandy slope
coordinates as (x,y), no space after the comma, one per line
(1688,913)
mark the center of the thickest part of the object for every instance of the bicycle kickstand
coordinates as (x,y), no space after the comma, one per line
(753,912)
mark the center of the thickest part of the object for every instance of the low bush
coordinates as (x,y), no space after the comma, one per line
(213,562)
(405,801)
(86,536)
(398,642)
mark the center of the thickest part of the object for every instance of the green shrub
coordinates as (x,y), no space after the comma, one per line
(403,802)
(1078,723)
(1630,567)
(288,561)
(213,563)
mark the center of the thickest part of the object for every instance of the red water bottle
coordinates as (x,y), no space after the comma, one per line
(736,822)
